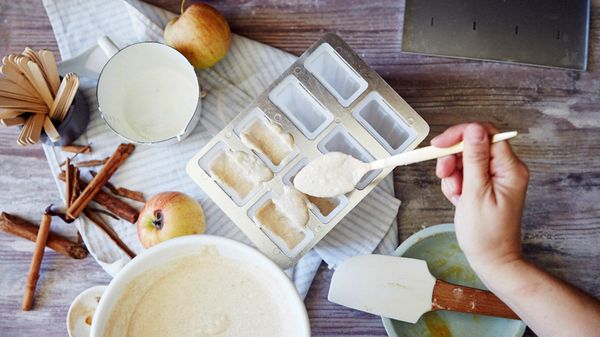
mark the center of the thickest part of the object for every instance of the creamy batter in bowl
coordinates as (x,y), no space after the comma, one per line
(232,289)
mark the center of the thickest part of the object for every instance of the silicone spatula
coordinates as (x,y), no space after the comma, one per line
(404,289)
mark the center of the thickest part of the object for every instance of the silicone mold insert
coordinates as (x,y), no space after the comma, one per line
(335,74)
(301,107)
(340,140)
(324,209)
(227,174)
(271,144)
(289,238)
(390,130)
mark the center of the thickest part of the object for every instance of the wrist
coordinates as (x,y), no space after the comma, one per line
(491,268)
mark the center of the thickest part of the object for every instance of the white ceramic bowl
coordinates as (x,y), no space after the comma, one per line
(183,246)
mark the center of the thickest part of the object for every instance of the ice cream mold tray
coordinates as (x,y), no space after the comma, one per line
(328,100)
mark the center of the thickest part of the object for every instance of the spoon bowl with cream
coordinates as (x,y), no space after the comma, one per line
(337,173)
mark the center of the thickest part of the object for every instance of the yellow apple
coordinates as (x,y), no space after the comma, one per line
(200,33)
(168,215)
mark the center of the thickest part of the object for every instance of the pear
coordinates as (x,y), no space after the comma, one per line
(200,33)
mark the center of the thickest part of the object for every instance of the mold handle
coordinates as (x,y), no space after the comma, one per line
(108,46)
(90,62)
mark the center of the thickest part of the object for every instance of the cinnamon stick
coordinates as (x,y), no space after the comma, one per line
(130,194)
(122,191)
(115,205)
(76,148)
(15,225)
(74,186)
(92,163)
(119,156)
(69,183)
(97,219)
(36,261)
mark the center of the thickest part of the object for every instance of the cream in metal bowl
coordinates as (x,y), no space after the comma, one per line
(201,285)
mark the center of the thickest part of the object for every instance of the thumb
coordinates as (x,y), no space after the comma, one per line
(476,159)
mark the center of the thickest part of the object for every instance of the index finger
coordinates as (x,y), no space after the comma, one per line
(454,134)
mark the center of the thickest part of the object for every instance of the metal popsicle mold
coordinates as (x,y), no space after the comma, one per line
(323,111)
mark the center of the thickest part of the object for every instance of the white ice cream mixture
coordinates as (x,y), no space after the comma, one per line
(330,175)
(157,104)
(239,171)
(200,295)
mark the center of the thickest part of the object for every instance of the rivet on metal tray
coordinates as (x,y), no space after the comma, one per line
(318,229)
(410,121)
(338,49)
(275,251)
(297,70)
(228,135)
(277,117)
(338,120)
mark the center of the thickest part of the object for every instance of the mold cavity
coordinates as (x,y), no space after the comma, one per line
(339,140)
(431,22)
(324,209)
(267,139)
(383,123)
(558,34)
(335,74)
(301,107)
(517,30)
(238,173)
(474,25)
(284,220)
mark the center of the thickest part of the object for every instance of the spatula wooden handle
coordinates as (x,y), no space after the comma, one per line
(447,296)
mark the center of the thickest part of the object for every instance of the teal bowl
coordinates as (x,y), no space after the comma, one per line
(438,246)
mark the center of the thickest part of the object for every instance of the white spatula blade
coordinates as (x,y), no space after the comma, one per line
(394,287)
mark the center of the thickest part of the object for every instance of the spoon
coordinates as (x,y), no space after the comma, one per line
(337,173)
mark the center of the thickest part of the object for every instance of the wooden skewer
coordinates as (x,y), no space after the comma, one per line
(36,261)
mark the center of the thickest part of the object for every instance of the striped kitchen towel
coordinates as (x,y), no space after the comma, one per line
(231,85)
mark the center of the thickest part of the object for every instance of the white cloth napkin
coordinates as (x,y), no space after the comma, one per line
(231,85)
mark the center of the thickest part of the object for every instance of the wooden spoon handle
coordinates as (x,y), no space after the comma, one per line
(447,296)
(430,152)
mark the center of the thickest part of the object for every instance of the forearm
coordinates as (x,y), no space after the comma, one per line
(549,306)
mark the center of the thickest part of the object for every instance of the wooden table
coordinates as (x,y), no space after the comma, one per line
(557,113)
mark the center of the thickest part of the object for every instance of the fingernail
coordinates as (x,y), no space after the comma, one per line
(475,134)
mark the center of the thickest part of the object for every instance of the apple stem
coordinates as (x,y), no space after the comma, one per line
(182,5)
(158,222)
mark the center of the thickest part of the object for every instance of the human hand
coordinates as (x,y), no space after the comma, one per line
(487,184)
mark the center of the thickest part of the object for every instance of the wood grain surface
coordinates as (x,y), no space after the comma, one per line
(556,112)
